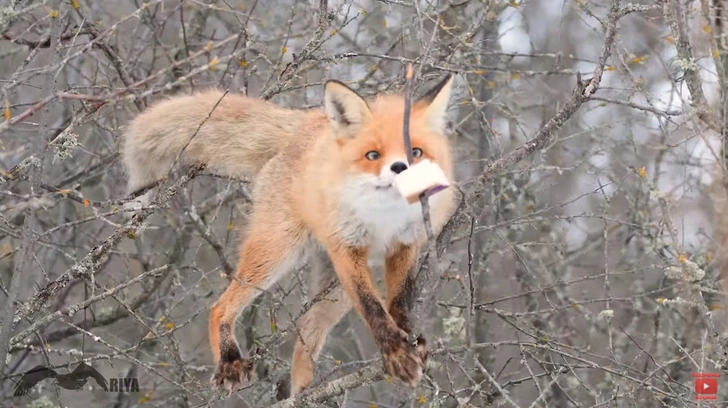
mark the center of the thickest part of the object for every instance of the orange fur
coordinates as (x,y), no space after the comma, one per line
(319,194)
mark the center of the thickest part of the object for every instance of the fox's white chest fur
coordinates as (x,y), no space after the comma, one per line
(378,218)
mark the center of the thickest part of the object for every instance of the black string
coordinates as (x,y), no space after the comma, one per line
(407,101)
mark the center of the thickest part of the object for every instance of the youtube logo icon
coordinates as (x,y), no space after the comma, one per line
(706,385)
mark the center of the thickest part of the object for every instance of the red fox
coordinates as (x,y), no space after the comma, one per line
(323,192)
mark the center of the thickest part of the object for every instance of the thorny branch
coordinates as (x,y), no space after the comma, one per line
(676,19)
(581,94)
(87,266)
(23,265)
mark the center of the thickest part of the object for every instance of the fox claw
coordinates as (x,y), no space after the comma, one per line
(404,360)
(232,375)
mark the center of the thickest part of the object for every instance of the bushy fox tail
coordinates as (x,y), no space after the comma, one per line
(230,134)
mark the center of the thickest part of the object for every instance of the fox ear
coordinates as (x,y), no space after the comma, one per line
(346,110)
(436,104)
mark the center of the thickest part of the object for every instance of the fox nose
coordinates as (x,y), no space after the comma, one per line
(398,167)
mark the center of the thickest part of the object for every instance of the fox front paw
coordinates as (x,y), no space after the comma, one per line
(232,375)
(404,360)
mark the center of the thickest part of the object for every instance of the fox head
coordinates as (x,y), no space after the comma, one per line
(369,135)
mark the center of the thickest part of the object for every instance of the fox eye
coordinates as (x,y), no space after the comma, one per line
(372,155)
(416,152)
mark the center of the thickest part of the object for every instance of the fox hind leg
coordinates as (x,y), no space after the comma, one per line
(269,253)
(314,326)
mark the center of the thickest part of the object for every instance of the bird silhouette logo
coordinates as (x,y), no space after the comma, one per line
(74,380)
